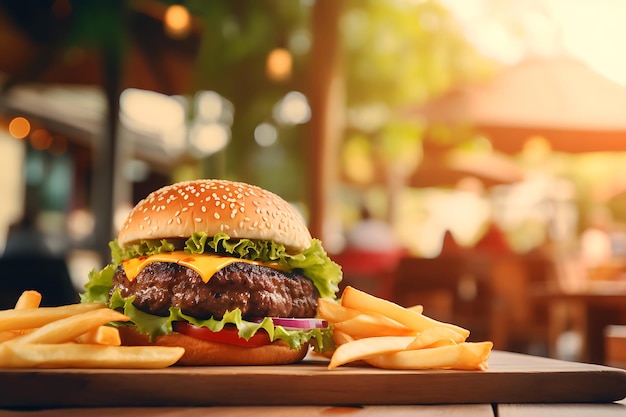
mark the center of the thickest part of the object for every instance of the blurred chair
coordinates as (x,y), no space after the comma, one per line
(369,271)
(615,346)
(452,287)
(48,275)
(520,318)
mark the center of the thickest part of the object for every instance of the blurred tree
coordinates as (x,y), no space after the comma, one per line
(236,40)
(398,54)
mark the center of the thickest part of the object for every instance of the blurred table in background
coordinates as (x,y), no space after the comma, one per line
(587,311)
(522,303)
(491,294)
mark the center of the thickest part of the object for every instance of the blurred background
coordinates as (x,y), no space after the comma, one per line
(467,155)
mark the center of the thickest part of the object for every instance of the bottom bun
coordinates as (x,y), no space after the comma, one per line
(205,352)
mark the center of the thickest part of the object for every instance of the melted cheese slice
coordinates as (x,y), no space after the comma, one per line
(206,265)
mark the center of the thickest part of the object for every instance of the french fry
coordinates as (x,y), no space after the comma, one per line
(31,318)
(368,347)
(28,299)
(341,337)
(464,356)
(387,335)
(69,328)
(10,334)
(441,336)
(364,302)
(330,311)
(419,309)
(103,335)
(366,325)
(74,355)
(71,336)
(441,343)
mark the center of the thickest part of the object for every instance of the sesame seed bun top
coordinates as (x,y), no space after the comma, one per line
(212,206)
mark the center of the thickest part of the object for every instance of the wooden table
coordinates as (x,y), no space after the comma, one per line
(591,310)
(465,410)
(514,385)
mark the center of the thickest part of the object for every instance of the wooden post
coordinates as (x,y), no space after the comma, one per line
(325,94)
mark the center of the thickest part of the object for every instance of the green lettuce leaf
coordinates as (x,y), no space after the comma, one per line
(154,326)
(314,261)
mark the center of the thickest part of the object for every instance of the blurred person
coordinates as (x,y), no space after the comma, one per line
(371,234)
(25,239)
(28,263)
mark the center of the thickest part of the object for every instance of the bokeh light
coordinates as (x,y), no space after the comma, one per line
(279,64)
(19,127)
(293,109)
(177,21)
(265,134)
(208,138)
(40,139)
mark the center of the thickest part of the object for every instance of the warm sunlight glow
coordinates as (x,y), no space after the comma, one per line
(593,31)
(590,30)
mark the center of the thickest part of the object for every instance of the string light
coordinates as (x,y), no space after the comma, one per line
(41,139)
(19,127)
(279,64)
(177,21)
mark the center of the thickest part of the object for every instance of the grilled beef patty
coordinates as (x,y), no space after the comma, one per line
(258,291)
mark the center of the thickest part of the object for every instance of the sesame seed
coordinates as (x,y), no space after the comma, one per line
(178,220)
(198,219)
(169,221)
(203,208)
(216,215)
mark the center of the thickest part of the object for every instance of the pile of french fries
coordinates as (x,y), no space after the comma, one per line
(387,335)
(71,336)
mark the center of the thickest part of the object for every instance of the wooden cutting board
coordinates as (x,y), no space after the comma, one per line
(511,378)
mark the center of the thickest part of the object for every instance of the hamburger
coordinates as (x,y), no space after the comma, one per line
(227,270)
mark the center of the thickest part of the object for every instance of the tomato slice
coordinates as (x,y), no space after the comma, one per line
(228,335)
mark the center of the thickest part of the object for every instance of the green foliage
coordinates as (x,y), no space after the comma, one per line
(403,53)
